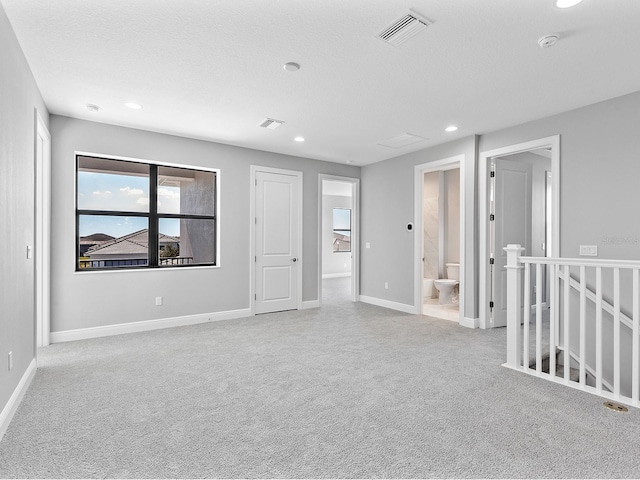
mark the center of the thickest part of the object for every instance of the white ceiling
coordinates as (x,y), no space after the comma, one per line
(213,69)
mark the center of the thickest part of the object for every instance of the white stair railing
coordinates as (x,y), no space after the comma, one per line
(569,332)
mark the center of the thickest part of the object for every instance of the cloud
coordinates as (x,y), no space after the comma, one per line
(132,191)
(165,192)
(143,201)
(98,193)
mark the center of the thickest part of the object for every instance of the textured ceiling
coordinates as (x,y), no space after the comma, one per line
(213,69)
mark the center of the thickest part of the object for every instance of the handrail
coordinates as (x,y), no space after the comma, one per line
(580,262)
(564,324)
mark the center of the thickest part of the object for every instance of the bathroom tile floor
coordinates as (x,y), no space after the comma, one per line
(432,308)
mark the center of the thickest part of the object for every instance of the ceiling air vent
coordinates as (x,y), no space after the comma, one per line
(271,124)
(404,28)
(402,140)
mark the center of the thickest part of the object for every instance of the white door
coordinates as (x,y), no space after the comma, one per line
(277,235)
(512,225)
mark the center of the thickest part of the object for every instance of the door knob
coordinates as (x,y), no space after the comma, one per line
(294,259)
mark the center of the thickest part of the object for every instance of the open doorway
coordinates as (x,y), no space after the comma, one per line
(338,239)
(518,205)
(440,239)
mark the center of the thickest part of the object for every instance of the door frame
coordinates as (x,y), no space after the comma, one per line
(252,221)
(450,163)
(484,165)
(355,233)
(42,199)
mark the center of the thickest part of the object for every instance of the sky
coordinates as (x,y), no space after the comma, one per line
(105,191)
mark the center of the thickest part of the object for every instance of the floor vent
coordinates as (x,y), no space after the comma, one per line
(616,407)
(403,29)
(271,124)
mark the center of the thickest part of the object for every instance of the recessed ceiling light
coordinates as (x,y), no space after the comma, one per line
(291,66)
(133,105)
(567,3)
(451,128)
(299,139)
(92,108)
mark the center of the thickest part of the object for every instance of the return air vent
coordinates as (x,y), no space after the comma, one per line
(402,140)
(404,28)
(270,123)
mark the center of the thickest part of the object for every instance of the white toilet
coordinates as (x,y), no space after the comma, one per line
(447,286)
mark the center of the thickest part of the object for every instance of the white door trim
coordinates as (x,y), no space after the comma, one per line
(355,234)
(42,232)
(252,209)
(450,163)
(552,142)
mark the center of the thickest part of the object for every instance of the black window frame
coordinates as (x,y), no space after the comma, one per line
(339,230)
(152,216)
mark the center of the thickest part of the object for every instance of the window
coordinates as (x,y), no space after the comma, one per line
(141,215)
(341,230)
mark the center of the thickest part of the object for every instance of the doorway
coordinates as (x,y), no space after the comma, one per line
(276,200)
(519,204)
(441,172)
(338,241)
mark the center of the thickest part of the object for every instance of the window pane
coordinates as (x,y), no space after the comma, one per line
(341,219)
(184,191)
(342,240)
(112,185)
(186,241)
(113,241)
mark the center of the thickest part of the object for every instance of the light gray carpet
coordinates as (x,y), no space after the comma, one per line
(348,390)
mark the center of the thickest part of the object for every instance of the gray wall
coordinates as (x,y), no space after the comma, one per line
(19,97)
(86,299)
(388,205)
(599,172)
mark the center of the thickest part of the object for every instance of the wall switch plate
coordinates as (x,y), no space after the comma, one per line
(158,301)
(589,250)
(367,245)
(386,285)
(29,252)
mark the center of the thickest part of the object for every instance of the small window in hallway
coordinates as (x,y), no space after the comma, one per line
(341,230)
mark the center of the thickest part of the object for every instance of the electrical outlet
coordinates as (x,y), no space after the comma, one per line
(367,245)
(589,250)
(386,285)
(158,301)
(10,360)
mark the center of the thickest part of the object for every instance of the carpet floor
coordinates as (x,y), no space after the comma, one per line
(348,390)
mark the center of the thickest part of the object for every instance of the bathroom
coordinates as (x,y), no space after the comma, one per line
(441,244)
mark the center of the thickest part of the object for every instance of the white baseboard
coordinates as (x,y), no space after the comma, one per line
(402,307)
(310,304)
(14,401)
(469,322)
(144,326)
(336,275)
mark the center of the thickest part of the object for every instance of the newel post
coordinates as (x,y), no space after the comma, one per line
(514,305)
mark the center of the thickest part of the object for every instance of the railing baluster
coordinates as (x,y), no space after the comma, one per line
(599,329)
(553,318)
(635,374)
(538,320)
(527,314)
(583,333)
(566,323)
(616,331)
